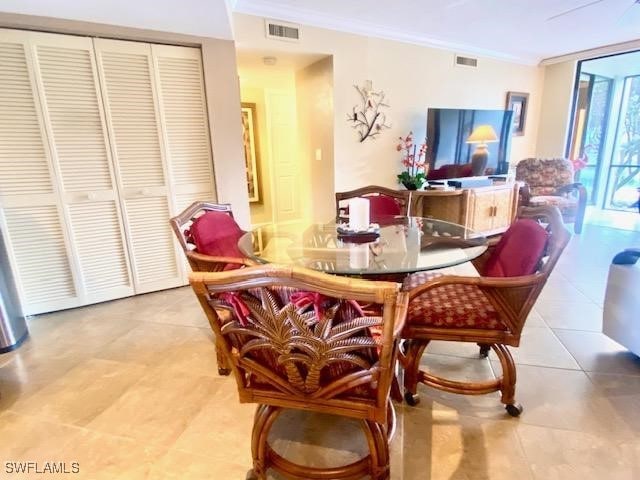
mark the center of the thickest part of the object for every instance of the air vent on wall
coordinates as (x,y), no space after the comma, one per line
(466,61)
(282,31)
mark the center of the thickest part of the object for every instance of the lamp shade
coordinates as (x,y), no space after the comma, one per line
(483,134)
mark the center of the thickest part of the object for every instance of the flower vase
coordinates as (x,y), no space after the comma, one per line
(410,185)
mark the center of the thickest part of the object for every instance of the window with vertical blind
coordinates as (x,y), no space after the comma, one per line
(101,141)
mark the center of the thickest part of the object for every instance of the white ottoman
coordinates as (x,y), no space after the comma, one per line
(621,320)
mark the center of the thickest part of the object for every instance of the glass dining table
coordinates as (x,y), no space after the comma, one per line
(399,246)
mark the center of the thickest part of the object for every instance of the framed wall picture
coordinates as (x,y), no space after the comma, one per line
(251,156)
(518,102)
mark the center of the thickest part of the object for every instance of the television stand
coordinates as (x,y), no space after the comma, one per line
(487,210)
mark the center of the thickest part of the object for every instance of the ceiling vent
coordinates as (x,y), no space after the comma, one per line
(461,61)
(282,31)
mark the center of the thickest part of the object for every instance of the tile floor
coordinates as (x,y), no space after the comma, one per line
(129,390)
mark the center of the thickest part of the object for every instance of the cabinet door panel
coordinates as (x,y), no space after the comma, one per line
(503,200)
(482,211)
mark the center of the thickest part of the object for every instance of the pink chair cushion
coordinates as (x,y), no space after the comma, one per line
(217,234)
(519,250)
(450,305)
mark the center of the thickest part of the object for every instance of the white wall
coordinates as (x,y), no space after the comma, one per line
(555,112)
(314,87)
(413,78)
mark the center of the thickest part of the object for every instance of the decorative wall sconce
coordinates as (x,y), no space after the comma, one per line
(368,118)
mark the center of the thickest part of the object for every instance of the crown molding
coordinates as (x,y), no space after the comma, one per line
(615,48)
(358,27)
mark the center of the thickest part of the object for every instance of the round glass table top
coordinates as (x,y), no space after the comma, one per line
(404,245)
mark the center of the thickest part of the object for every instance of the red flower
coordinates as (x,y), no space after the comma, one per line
(580,162)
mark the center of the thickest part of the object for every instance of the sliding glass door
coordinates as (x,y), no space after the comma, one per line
(590,127)
(624,172)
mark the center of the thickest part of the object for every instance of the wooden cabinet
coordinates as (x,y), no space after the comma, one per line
(490,210)
(487,210)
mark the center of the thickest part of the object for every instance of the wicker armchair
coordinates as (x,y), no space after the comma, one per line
(212,226)
(299,339)
(489,309)
(383,201)
(550,182)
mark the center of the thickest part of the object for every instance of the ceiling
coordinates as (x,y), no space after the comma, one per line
(512,29)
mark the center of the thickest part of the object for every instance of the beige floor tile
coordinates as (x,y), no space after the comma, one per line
(567,455)
(539,346)
(107,457)
(186,311)
(72,328)
(222,427)
(574,316)
(82,393)
(148,343)
(445,445)
(623,392)
(27,438)
(566,399)
(158,408)
(457,349)
(194,354)
(177,465)
(460,369)
(595,352)
(31,369)
(561,291)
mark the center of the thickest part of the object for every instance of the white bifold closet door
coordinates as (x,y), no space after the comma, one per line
(60,212)
(101,142)
(130,97)
(156,113)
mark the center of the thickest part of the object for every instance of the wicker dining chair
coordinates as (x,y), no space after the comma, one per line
(489,310)
(298,339)
(208,235)
(382,201)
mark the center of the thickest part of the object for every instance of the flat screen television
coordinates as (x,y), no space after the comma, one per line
(448,130)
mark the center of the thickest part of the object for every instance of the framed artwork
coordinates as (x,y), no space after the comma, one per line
(249,140)
(518,102)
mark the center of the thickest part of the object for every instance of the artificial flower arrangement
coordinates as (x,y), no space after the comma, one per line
(415,174)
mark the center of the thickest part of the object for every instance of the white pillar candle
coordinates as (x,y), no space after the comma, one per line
(358,255)
(358,214)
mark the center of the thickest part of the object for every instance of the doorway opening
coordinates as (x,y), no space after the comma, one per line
(287,110)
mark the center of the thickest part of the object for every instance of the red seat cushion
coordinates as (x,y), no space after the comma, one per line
(450,306)
(382,205)
(519,250)
(217,234)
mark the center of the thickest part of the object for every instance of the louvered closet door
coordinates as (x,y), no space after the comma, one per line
(130,99)
(71,101)
(30,212)
(183,111)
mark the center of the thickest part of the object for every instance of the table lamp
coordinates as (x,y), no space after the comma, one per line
(481,135)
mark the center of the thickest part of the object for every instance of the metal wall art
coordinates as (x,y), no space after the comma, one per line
(368,117)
